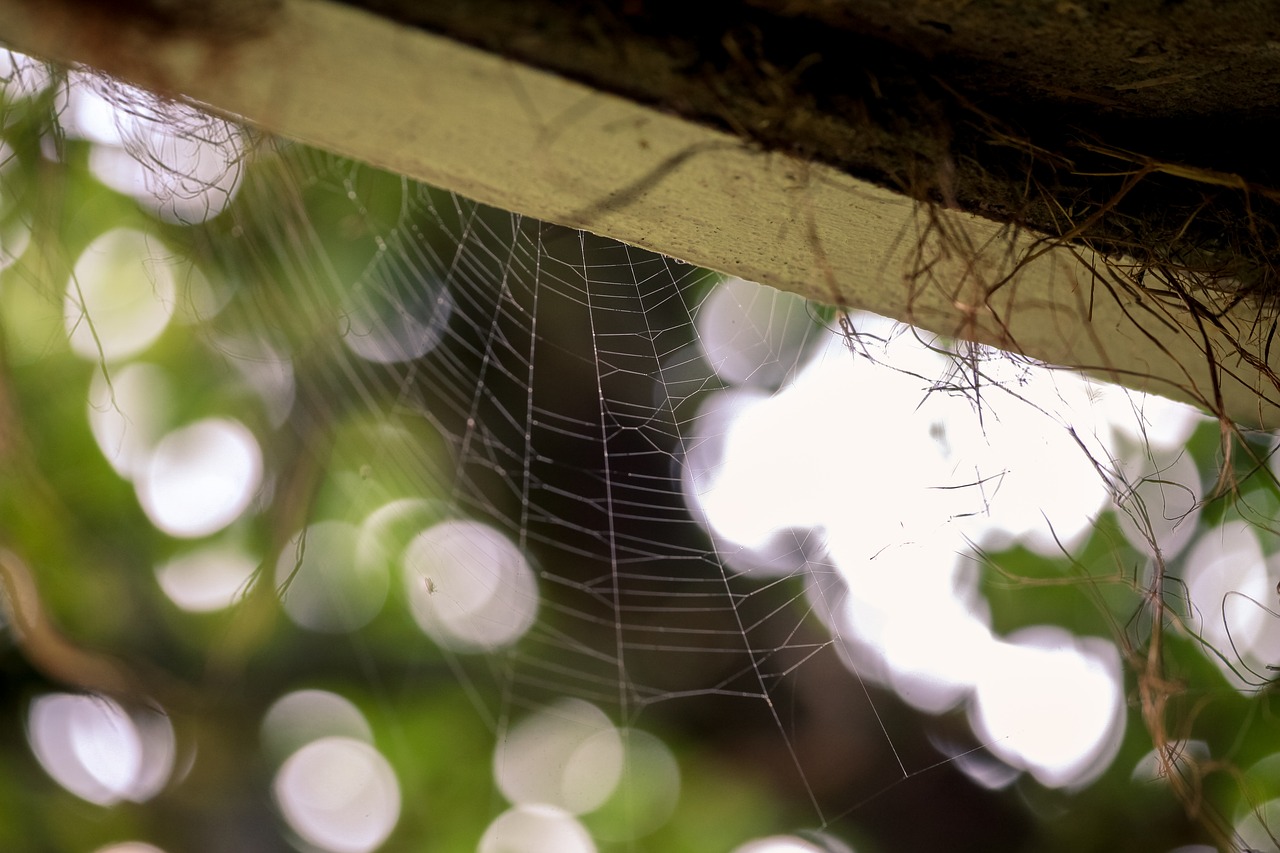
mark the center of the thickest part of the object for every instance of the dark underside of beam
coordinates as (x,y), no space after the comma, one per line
(1143,127)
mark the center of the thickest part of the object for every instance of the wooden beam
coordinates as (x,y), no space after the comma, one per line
(527,140)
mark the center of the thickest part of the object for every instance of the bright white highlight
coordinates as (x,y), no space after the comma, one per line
(826,451)
(324,587)
(130,847)
(1041,490)
(1052,704)
(568,755)
(201,478)
(97,751)
(119,297)
(536,829)
(469,587)
(207,579)
(901,477)
(906,608)
(339,794)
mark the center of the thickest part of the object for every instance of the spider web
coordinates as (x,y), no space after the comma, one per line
(567,389)
(571,388)
(512,431)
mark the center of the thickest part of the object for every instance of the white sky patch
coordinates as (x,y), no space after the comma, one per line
(931,661)
(568,755)
(200,478)
(120,296)
(1041,489)
(536,828)
(98,751)
(339,794)
(209,578)
(804,443)
(469,587)
(901,476)
(906,607)
(743,519)
(129,413)
(324,587)
(1052,704)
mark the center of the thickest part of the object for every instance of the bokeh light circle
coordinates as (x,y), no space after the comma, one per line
(323,586)
(98,751)
(568,755)
(120,296)
(201,477)
(302,716)
(469,587)
(339,794)
(536,828)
